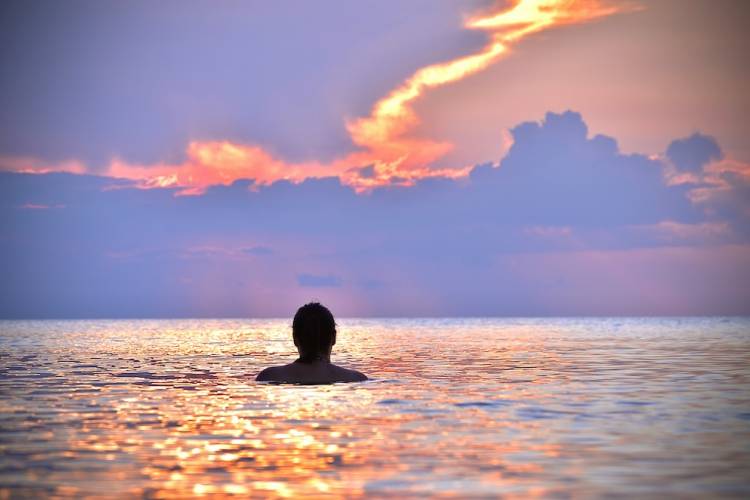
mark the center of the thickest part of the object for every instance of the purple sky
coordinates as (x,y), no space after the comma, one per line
(494,199)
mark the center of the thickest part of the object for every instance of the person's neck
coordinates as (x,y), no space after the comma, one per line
(319,359)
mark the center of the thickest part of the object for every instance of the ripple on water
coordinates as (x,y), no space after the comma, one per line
(556,407)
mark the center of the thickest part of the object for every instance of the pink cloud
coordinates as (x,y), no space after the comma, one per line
(672,231)
(30,165)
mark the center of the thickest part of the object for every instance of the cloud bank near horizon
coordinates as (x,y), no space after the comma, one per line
(564,224)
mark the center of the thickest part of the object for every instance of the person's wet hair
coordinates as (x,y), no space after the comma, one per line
(314,331)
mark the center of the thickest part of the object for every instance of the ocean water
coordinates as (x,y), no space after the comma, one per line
(461,407)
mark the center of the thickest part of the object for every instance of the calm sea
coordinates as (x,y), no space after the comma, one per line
(464,407)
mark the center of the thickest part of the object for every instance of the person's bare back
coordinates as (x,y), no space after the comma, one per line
(320,372)
(314,334)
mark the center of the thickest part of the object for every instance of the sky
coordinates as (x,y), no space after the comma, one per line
(388,158)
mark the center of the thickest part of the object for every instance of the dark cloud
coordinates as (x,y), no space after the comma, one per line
(554,174)
(258,251)
(365,172)
(693,153)
(316,281)
(724,194)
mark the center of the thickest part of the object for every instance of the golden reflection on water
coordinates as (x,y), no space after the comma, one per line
(169,409)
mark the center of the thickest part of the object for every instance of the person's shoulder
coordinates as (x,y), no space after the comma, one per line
(352,375)
(270,374)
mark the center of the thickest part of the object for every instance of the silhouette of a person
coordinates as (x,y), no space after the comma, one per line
(314,334)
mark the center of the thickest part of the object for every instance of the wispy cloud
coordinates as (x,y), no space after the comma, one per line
(40,206)
(258,250)
(318,281)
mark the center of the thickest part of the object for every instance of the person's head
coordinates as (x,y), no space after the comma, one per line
(314,332)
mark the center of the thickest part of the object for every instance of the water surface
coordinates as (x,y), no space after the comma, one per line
(464,407)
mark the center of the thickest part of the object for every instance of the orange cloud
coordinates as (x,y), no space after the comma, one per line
(212,163)
(388,148)
(393,117)
(29,165)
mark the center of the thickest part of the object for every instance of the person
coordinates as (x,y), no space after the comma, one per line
(314,334)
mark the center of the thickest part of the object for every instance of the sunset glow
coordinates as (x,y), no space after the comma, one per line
(382,249)
(389,149)
(425,158)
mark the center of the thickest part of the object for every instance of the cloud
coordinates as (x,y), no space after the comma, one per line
(693,153)
(258,250)
(549,231)
(718,185)
(318,281)
(32,165)
(385,140)
(386,132)
(36,206)
(555,175)
(694,234)
(565,223)
(723,191)
(367,172)
(211,73)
